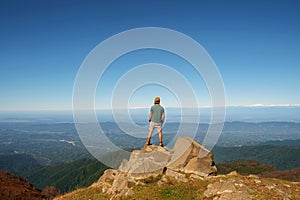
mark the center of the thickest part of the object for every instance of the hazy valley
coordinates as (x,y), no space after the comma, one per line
(38,149)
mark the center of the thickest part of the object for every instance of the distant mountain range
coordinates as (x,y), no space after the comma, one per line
(249,113)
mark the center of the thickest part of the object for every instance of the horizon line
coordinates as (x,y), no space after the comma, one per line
(172,107)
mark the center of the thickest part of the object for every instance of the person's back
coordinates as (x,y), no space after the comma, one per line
(157,111)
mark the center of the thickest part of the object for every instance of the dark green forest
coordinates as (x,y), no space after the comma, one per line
(69,176)
(281,157)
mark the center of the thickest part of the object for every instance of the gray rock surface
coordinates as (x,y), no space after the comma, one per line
(150,160)
(153,163)
(190,157)
(228,189)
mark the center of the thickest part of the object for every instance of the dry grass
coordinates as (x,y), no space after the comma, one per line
(170,190)
(260,189)
(84,194)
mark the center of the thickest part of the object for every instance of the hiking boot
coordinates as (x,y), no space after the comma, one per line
(161,144)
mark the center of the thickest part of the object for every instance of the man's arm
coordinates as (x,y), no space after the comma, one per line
(163,117)
(150,116)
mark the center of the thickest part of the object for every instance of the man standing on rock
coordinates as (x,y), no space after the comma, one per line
(156,119)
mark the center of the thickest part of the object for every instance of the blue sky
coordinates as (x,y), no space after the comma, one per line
(255,45)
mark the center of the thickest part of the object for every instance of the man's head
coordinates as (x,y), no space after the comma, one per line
(156,100)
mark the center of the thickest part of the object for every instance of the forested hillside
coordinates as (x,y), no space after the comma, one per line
(69,176)
(281,157)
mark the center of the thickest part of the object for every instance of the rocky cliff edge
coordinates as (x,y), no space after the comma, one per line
(154,163)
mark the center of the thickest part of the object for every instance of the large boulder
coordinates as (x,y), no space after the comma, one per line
(191,157)
(153,162)
(149,161)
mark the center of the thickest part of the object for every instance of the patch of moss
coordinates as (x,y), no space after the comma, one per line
(151,179)
(178,191)
(131,184)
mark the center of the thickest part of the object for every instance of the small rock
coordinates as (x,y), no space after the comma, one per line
(224,191)
(253,176)
(177,176)
(257,181)
(229,189)
(139,183)
(164,179)
(233,173)
(194,176)
(270,186)
(239,184)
